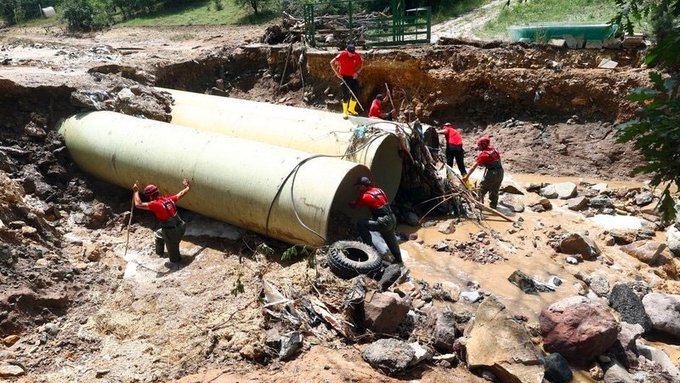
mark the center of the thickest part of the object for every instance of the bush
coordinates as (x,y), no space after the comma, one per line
(16,11)
(85,15)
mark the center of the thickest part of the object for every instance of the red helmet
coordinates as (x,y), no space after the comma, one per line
(448,124)
(483,141)
(150,190)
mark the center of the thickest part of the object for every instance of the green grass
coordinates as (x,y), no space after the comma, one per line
(537,11)
(203,13)
(456,9)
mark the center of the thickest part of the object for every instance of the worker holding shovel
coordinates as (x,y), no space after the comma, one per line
(347,65)
(165,209)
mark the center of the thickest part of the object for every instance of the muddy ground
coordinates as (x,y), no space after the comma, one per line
(84,309)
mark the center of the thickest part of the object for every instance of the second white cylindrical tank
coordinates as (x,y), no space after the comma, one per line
(308,130)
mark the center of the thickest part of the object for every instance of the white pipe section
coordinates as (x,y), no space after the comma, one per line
(308,130)
(233,180)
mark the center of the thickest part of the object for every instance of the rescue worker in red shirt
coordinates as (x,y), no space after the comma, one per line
(489,158)
(376,108)
(454,147)
(347,65)
(165,209)
(382,220)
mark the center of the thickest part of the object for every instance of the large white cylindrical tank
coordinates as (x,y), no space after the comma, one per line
(308,130)
(250,184)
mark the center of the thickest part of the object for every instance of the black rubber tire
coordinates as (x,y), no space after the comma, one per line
(347,259)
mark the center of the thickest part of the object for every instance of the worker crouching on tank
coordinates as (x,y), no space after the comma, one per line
(383,219)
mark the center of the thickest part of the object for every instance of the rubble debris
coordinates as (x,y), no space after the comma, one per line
(578,329)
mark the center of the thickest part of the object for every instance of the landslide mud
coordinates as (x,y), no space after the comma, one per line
(83,307)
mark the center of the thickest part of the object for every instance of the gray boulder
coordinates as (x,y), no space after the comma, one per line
(673,239)
(445,331)
(644,198)
(617,374)
(562,190)
(578,203)
(664,312)
(394,356)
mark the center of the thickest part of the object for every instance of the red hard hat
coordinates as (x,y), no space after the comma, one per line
(449,124)
(483,141)
(150,190)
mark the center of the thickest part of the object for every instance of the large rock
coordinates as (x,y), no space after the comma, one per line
(383,312)
(644,198)
(623,237)
(629,306)
(512,203)
(617,374)
(664,312)
(394,356)
(511,189)
(10,371)
(625,348)
(563,190)
(498,343)
(601,202)
(645,251)
(577,328)
(576,243)
(557,369)
(578,203)
(673,239)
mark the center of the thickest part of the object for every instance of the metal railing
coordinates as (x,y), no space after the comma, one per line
(413,26)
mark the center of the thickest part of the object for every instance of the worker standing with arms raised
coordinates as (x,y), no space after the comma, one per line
(454,147)
(382,220)
(489,158)
(165,209)
(347,65)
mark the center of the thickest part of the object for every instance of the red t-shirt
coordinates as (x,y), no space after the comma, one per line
(164,207)
(376,109)
(487,156)
(349,62)
(452,136)
(373,198)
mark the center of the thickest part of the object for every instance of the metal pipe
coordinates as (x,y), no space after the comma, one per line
(308,130)
(245,183)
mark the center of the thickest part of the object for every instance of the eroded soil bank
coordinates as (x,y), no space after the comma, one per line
(85,309)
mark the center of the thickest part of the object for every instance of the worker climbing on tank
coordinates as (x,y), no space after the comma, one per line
(376,110)
(454,147)
(382,220)
(165,209)
(347,65)
(490,159)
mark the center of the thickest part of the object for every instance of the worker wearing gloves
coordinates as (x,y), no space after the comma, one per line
(489,158)
(454,147)
(382,220)
(165,209)
(347,65)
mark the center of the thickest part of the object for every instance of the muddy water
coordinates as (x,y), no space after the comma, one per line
(527,250)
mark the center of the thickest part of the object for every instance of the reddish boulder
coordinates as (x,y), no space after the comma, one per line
(578,328)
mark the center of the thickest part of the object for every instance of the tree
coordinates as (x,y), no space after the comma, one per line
(254,4)
(656,131)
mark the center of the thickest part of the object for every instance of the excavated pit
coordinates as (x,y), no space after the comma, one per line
(550,111)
